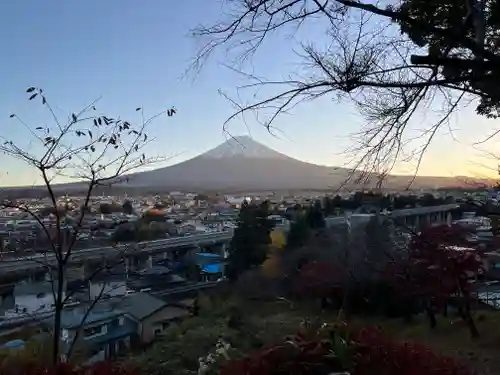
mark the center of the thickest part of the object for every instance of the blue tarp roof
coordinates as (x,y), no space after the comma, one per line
(212,268)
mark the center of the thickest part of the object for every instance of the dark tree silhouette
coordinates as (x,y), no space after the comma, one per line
(251,239)
(105,208)
(127,207)
(328,206)
(299,233)
(314,216)
(390,61)
(124,233)
(94,149)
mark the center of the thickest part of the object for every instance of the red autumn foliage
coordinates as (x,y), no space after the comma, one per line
(318,279)
(295,357)
(453,234)
(372,353)
(104,368)
(377,353)
(440,263)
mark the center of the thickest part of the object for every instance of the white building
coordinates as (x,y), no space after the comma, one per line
(31,299)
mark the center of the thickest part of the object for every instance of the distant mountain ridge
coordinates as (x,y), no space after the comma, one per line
(243,164)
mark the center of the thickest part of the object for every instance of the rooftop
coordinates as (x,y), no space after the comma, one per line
(141,305)
(76,317)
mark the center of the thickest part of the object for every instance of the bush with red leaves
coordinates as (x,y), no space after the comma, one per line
(371,353)
(295,357)
(378,354)
(441,261)
(439,267)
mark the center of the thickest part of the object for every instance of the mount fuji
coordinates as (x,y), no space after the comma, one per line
(242,163)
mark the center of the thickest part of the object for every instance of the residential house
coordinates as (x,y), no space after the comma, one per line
(98,335)
(151,315)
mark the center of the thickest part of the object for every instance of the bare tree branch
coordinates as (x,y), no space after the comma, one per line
(95,149)
(394,63)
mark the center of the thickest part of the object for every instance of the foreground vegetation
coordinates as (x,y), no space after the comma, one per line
(362,345)
(236,335)
(323,301)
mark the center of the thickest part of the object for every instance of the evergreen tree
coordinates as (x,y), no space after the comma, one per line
(251,239)
(385,202)
(298,234)
(315,217)
(379,242)
(127,207)
(105,208)
(328,206)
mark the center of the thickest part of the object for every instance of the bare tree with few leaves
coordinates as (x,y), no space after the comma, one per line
(394,60)
(96,150)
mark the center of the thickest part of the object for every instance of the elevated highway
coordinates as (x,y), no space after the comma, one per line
(36,261)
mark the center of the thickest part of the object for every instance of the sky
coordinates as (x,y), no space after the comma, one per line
(134,53)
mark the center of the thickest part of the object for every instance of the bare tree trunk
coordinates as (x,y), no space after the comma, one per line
(56,154)
(466,311)
(474,332)
(408,310)
(430,314)
(59,306)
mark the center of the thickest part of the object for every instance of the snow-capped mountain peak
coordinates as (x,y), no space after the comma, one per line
(242,146)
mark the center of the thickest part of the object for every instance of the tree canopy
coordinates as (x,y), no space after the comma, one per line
(251,239)
(127,207)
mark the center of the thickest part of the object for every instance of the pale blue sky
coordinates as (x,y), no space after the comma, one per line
(133,53)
